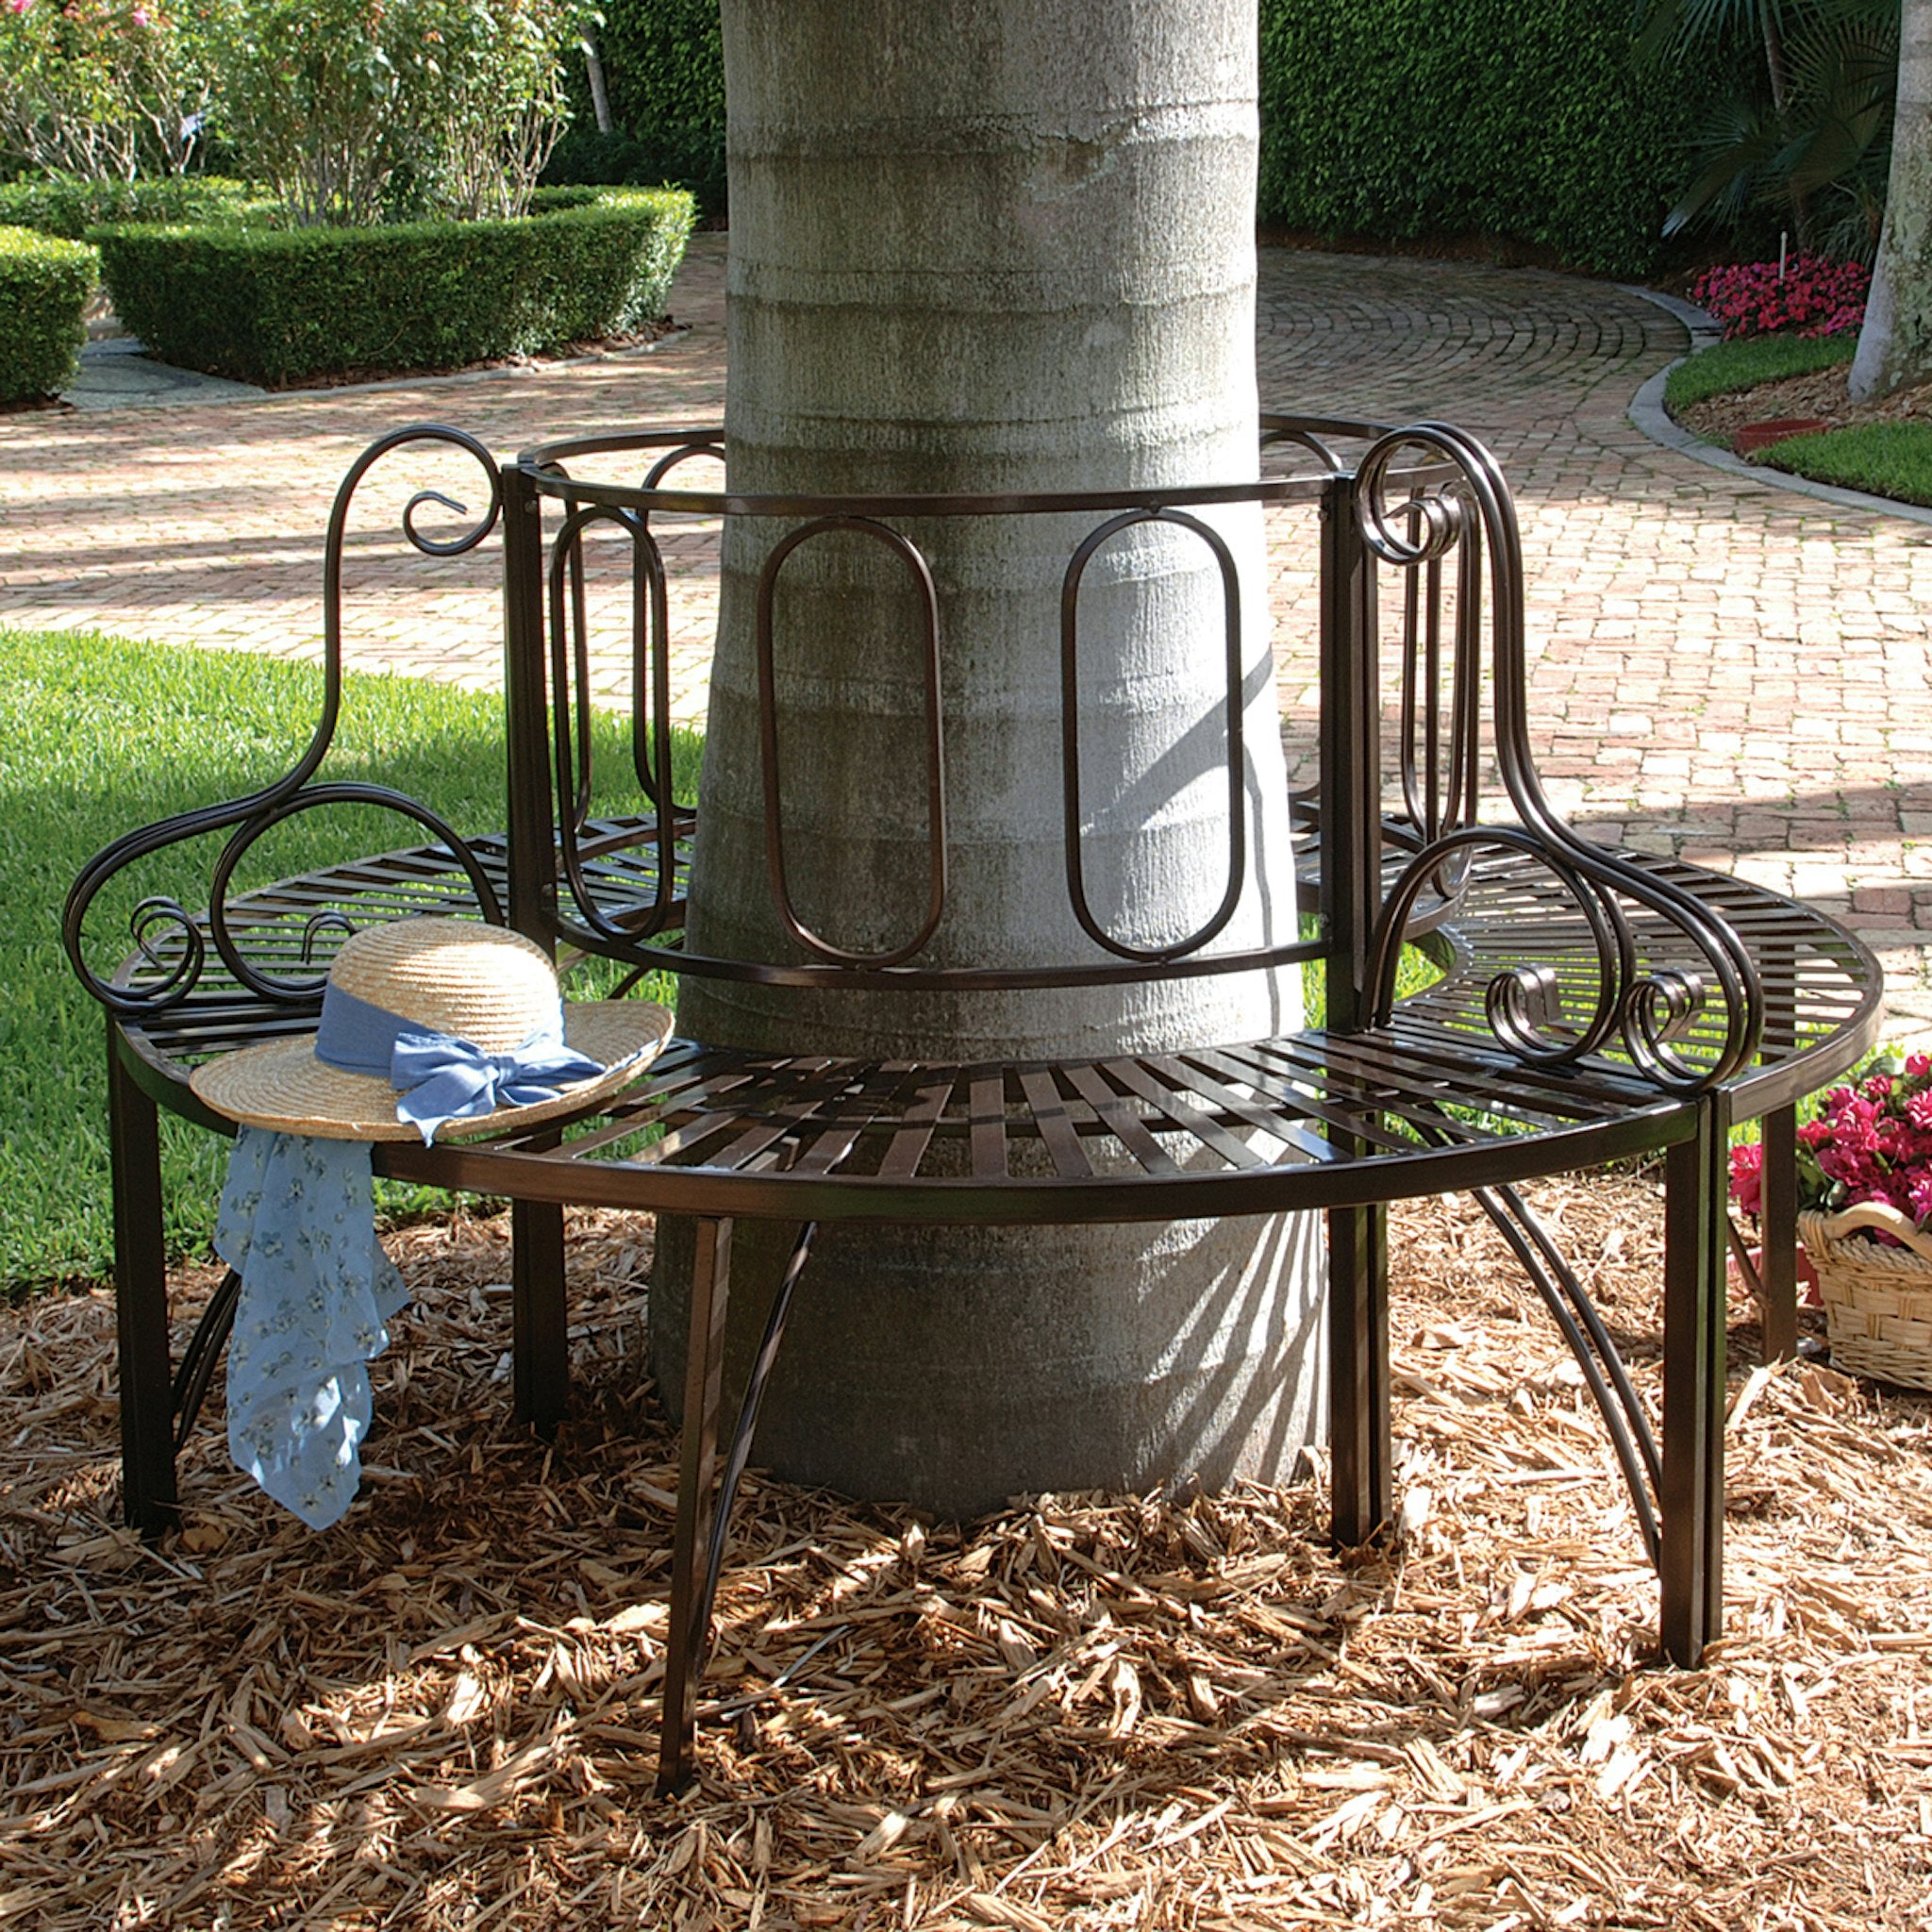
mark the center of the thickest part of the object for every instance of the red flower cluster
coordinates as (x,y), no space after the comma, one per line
(1813,297)
(1872,1142)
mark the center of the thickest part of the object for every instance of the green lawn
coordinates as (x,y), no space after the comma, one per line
(1729,368)
(98,735)
(1891,459)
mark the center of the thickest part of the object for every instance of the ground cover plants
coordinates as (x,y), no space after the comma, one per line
(98,735)
(1732,368)
(1891,459)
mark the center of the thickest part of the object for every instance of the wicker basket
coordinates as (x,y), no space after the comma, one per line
(1877,1299)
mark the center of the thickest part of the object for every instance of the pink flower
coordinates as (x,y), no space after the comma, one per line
(1812,297)
(18,6)
(1747,1176)
(139,16)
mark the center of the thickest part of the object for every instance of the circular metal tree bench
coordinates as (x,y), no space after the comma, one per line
(1591,1004)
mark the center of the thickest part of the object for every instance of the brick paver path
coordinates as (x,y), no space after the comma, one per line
(1720,666)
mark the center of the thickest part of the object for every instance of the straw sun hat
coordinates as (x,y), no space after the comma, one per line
(456,1007)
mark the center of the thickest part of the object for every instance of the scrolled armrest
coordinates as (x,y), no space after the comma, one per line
(172,943)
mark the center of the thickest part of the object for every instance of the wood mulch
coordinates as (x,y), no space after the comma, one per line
(1821,394)
(1089,1711)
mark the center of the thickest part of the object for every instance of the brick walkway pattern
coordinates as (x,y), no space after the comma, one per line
(1719,667)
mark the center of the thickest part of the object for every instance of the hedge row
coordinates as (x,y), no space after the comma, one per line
(664,67)
(1399,119)
(1391,118)
(69,207)
(46,285)
(275,308)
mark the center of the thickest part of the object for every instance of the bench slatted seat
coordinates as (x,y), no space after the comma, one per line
(1591,1004)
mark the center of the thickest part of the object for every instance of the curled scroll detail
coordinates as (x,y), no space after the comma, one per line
(1655,977)
(171,946)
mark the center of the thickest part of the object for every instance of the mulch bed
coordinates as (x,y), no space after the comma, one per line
(1821,394)
(1090,1711)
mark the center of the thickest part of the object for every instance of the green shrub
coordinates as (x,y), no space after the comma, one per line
(693,156)
(1403,119)
(664,67)
(46,285)
(64,205)
(357,112)
(106,90)
(1391,118)
(277,307)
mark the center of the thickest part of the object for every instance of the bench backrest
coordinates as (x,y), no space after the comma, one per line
(1420,736)
(1405,665)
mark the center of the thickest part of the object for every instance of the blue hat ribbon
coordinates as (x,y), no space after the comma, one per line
(442,1076)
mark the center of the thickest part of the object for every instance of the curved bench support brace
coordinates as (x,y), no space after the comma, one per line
(684,1659)
(148,1497)
(748,1406)
(1361,1456)
(691,1597)
(1690,1572)
(202,1352)
(1590,1343)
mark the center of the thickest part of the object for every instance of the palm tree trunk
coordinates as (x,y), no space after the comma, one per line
(1895,344)
(999,245)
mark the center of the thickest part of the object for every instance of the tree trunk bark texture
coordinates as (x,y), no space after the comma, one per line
(1000,245)
(1896,344)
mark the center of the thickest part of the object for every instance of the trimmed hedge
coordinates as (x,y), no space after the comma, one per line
(693,158)
(1400,119)
(46,285)
(59,205)
(1387,119)
(664,69)
(278,307)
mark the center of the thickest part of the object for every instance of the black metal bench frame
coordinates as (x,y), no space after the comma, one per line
(1594,1004)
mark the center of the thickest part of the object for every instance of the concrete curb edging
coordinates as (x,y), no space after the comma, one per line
(1704,327)
(1648,414)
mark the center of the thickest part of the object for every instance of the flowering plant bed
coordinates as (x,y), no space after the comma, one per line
(1864,1194)
(1808,295)
(1872,1141)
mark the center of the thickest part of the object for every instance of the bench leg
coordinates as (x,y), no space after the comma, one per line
(149,1501)
(1691,1574)
(703,1374)
(1360,1450)
(1777,1267)
(1777,1228)
(539,1319)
